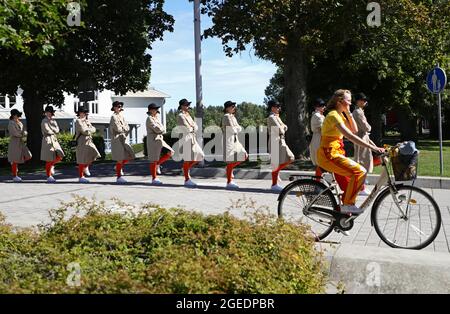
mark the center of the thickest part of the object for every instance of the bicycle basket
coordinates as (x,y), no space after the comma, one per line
(404,167)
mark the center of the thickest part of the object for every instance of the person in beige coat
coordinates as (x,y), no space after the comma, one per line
(18,151)
(281,155)
(51,151)
(119,129)
(192,152)
(317,119)
(363,155)
(234,152)
(86,151)
(155,142)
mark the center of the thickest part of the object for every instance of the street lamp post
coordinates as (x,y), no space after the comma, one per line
(198,74)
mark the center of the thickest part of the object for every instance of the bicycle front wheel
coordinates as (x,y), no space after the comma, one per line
(408,219)
(297,196)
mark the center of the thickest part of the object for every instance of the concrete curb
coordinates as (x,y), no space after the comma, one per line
(363,269)
(265,174)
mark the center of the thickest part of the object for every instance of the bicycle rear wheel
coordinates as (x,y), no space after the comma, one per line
(296,196)
(410,219)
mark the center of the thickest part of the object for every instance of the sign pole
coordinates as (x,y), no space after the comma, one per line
(198,74)
(441,156)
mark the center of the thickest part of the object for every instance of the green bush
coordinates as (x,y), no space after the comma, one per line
(65,138)
(4,141)
(155,250)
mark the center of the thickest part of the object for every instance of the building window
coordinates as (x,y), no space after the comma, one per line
(2,101)
(12,101)
(94,107)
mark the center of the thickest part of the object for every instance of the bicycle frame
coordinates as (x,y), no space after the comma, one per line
(384,180)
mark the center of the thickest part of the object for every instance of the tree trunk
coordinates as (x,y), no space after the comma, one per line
(376,122)
(33,107)
(407,125)
(295,98)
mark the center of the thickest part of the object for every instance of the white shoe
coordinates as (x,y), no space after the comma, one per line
(156,182)
(17,179)
(51,179)
(351,209)
(190,183)
(232,185)
(86,172)
(364,192)
(52,171)
(83,180)
(276,188)
(158,170)
(121,180)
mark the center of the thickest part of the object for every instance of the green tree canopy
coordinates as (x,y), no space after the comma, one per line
(111,48)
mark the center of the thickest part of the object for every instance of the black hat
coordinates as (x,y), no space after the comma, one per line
(152,106)
(273,103)
(182,102)
(50,109)
(116,104)
(82,109)
(361,96)
(15,112)
(229,103)
(319,102)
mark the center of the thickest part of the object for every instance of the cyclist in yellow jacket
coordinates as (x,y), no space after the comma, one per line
(339,123)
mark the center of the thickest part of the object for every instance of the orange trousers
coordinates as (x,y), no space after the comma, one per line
(334,161)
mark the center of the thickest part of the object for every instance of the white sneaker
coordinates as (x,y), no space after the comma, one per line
(83,180)
(156,182)
(51,179)
(121,180)
(364,192)
(351,209)
(87,172)
(276,188)
(190,183)
(158,170)
(17,179)
(52,171)
(232,185)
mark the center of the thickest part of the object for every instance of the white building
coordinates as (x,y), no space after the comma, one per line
(135,112)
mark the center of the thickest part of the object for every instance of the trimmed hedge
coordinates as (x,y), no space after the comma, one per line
(155,250)
(64,140)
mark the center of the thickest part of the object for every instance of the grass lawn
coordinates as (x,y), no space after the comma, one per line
(429,158)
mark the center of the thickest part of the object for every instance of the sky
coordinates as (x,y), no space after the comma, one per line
(243,77)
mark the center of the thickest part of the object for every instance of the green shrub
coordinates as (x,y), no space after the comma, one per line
(4,141)
(155,250)
(65,138)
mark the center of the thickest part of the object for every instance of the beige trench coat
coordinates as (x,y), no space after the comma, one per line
(316,127)
(363,155)
(189,141)
(18,151)
(155,139)
(119,130)
(50,147)
(233,150)
(86,151)
(279,151)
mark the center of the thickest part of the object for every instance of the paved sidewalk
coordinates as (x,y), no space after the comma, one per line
(27,203)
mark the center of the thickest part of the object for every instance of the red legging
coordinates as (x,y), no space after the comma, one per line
(154,165)
(50,164)
(81,168)
(14,169)
(277,171)
(119,167)
(187,165)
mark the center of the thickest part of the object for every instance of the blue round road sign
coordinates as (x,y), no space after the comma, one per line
(436,80)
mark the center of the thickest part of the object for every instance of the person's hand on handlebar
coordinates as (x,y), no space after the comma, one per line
(376,149)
